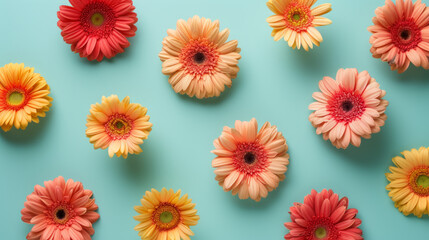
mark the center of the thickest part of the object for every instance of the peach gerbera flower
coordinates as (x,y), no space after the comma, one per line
(296,22)
(249,162)
(401,34)
(166,215)
(348,108)
(60,211)
(98,28)
(198,59)
(120,126)
(409,182)
(323,216)
(23,96)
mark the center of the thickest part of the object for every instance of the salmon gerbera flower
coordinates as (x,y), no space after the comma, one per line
(166,215)
(23,96)
(198,58)
(61,211)
(348,108)
(409,182)
(120,126)
(296,22)
(323,216)
(249,162)
(98,28)
(400,34)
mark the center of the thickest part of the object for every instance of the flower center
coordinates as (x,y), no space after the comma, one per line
(346,106)
(61,215)
(406,35)
(320,233)
(250,158)
(419,181)
(166,217)
(118,126)
(199,57)
(15,98)
(298,17)
(97,19)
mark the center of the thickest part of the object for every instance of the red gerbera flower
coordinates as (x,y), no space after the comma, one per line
(98,28)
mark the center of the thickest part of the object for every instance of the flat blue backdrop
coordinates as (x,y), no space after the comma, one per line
(274,84)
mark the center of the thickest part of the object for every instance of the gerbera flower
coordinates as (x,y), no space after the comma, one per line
(249,162)
(401,34)
(296,22)
(98,28)
(119,125)
(348,108)
(60,210)
(198,59)
(165,215)
(323,216)
(409,182)
(23,96)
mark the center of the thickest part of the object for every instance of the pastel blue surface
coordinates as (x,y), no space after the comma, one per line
(274,84)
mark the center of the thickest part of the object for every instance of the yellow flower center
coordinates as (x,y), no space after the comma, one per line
(97,19)
(320,233)
(15,98)
(298,17)
(166,217)
(419,181)
(118,126)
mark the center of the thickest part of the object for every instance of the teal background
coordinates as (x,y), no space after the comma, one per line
(274,84)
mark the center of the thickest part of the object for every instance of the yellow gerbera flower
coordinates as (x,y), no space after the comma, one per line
(165,215)
(409,182)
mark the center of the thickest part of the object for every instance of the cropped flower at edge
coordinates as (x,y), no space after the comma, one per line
(60,211)
(198,59)
(400,34)
(348,108)
(120,126)
(165,215)
(23,96)
(323,216)
(98,28)
(296,22)
(409,182)
(249,162)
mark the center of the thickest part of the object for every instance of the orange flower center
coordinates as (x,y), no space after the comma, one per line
(406,35)
(98,19)
(250,158)
(61,214)
(199,57)
(166,217)
(346,106)
(298,17)
(118,126)
(419,181)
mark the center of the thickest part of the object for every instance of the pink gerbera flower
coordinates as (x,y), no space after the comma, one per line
(322,216)
(348,108)
(97,28)
(249,162)
(401,34)
(60,211)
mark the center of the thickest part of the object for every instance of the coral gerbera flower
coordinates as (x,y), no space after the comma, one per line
(401,34)
(166,215)
(296,22)
(348,108)
(198,59)
(119,125)
(98,28)
(23,96)
(249,162)
(323,216)
(61,211)
(409,182)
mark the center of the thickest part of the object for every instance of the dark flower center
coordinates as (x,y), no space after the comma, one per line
(405,34)
(249,158)
(199,57)
(119,124)
(347,106)
(60,214)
